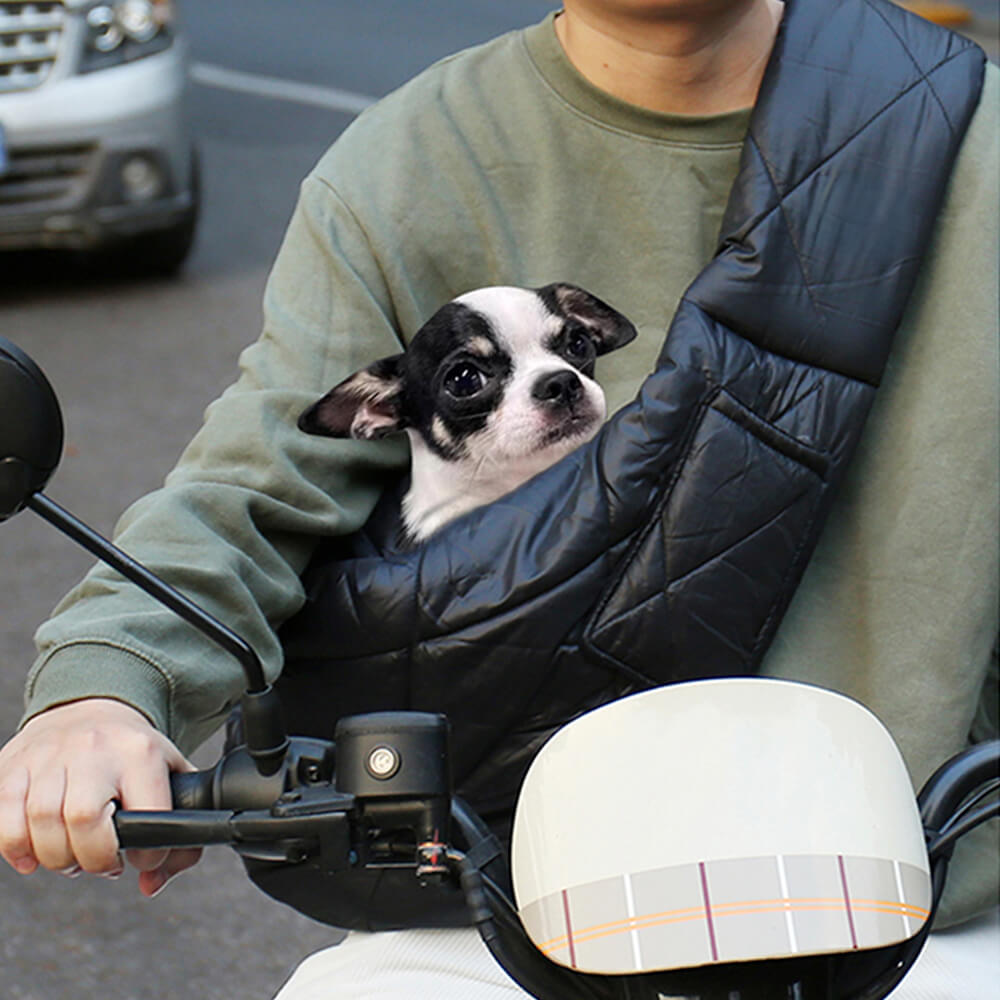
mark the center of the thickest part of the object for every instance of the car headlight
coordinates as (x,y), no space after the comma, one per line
(125,30)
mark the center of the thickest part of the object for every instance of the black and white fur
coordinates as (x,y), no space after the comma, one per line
(495,387)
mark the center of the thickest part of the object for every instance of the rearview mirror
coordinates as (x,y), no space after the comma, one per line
(31,429)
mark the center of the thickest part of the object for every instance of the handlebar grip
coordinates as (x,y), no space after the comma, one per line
(173,829)
(193,789)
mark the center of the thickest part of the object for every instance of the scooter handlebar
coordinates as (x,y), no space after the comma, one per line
(193,822)
(179,828)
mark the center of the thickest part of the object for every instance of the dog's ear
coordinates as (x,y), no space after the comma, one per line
(608,327)
(367,405)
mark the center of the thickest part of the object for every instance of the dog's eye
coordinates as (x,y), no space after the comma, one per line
(463,379)
(579,346)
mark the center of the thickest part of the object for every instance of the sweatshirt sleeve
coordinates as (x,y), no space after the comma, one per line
(238,517)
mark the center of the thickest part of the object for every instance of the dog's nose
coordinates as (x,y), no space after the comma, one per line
(561,388)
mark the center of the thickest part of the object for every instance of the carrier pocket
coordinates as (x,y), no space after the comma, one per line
(740,506)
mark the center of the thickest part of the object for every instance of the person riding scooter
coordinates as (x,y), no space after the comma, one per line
(601,144)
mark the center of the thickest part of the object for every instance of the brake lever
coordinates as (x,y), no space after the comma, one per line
(301,824)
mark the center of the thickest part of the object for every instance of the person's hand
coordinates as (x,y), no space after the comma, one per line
(60,777)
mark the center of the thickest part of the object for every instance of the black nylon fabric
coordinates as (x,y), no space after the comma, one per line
(670,546)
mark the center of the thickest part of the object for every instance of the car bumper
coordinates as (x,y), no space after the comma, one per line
(68,141)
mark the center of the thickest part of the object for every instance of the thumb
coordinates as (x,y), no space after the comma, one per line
(153,882)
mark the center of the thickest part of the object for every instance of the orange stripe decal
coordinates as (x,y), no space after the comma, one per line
(720,910)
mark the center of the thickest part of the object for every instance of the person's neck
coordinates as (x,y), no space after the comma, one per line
(691,62)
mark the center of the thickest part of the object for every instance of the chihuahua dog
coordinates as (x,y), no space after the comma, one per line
(495,387)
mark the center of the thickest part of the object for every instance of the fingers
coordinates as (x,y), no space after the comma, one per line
(60,778)
(148,787)
(86,821)
(46,828)
(15,843)
(156,868)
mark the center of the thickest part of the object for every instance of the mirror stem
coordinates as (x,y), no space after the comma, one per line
(266,741)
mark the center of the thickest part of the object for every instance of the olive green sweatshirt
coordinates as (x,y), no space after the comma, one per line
(502,165)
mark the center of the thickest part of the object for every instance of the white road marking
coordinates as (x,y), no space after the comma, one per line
(280,90)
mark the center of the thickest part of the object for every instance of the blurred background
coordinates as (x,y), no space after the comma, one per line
(138,341)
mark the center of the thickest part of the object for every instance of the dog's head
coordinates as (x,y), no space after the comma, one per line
(496,386)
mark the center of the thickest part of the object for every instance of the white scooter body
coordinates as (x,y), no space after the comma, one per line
(718,821)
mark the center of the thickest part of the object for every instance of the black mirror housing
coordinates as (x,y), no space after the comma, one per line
(31,429)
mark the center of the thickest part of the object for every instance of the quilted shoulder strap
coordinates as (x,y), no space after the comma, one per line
(784,336)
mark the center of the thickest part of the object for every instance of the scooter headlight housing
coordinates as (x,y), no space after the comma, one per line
(719,822)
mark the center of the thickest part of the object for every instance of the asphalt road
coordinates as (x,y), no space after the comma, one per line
(135,362)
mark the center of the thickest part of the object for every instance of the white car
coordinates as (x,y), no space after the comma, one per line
(95,145)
